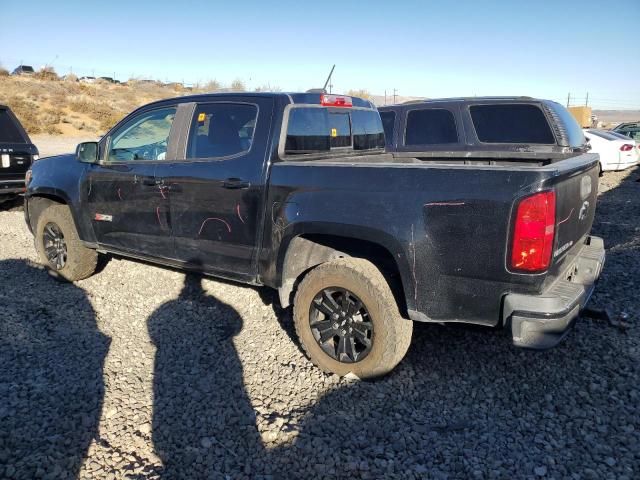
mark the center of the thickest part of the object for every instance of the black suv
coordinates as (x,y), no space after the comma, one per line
(16,154)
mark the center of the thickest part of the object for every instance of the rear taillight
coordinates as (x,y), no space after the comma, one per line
(335,101)
(626,147)
(533,232)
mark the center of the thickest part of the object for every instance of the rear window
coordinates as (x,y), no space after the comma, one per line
(431,126)
(9,131)
(511,124)
(320,130)
(388,122)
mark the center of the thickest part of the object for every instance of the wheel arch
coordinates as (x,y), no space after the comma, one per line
(308,250)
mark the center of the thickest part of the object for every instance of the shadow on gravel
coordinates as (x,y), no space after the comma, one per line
(51,374)
(199,394)
(11,204)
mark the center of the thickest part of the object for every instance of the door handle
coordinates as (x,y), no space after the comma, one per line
(235,183)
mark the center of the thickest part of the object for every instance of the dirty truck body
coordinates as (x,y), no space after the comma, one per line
(304,199)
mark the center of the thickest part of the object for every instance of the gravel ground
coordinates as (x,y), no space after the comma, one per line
(49,145)
(142,372)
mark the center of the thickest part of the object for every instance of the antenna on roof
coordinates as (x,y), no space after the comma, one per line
(329,78)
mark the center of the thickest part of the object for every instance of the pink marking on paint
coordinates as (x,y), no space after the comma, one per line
(570,213)
(238,212)
(119,195)
(443,204)
(158,215)
(216,219)
(161,188)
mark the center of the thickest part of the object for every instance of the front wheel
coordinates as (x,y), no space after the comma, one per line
(59,247)
(347,319)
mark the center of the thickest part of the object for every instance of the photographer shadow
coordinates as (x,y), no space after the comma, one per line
(203,420)
(51,374)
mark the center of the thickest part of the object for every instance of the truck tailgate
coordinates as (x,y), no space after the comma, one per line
(576,187)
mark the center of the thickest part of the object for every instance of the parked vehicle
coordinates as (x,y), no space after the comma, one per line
(617,152)
(629,129)
(16,154)
(23,70)
(487,128)
(295,192)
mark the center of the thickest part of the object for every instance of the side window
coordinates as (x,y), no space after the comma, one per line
(144,137)
(221,130)
(388,122)
(511,123)
(432,126)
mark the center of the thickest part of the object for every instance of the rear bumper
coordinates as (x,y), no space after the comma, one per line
(542,321)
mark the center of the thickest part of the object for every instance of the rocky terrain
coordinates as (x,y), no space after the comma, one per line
(142,372)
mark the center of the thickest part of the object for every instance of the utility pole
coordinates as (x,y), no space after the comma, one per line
(395,94)
(385,96)
(568,99)
(586,102)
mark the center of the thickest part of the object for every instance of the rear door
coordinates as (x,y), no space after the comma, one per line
(129,207)
(216,189)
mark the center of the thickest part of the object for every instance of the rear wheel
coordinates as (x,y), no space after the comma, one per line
(59,247)
(347,319)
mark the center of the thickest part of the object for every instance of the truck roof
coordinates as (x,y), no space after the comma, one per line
(312,98)
(487,99)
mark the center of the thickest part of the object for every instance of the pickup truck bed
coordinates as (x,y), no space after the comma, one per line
(454,228)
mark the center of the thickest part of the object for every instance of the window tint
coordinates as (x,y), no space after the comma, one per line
(340,128)
(317,130)
(368,132)
(430,126)
(9,131)
(144,137)
(308,131)
(388,122)
(511,124)
(221,129)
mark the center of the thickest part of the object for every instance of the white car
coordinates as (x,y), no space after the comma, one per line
(617,152)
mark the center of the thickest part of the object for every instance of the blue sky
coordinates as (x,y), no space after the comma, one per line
(541,48)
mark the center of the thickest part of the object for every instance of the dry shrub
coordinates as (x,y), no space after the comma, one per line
(27,113)
(46,73)
(4,72)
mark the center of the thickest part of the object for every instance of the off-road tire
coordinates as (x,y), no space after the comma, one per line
(81,261)
(391,333)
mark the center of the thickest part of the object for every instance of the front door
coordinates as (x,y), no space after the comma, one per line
(129,207)
(216,191)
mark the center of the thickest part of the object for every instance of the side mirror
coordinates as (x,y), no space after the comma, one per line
(87,152)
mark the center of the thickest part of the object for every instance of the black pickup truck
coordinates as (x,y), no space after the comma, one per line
(296,192)
(16,154)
